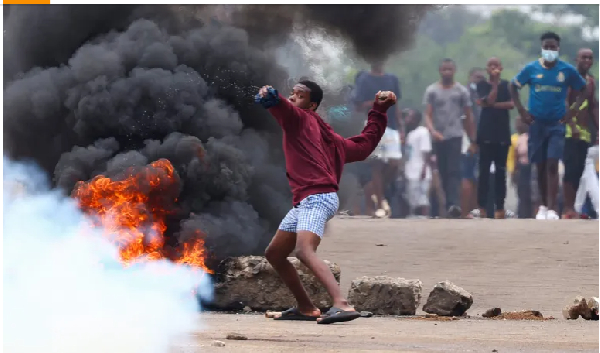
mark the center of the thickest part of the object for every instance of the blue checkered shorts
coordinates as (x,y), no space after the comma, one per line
(311,214)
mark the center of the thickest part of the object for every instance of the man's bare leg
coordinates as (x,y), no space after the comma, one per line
(569,192)
(377,182)
(467,198)
(306,251)
(277,252)
(368,194)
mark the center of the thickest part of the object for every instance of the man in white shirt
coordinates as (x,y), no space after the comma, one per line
(417,168)
(385,162)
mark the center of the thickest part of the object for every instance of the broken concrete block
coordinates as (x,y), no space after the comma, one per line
(493,312)
(577,308)
(236,336)
(218,343)
(251,281)
(447,299)
(593,304)
(384,295)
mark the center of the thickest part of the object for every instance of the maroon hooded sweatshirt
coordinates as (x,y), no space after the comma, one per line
(314,154)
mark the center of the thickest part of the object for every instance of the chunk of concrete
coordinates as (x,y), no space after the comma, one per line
(593,303)
(384,295)
(251,281)
(577,308)
(448,299)
(493,312)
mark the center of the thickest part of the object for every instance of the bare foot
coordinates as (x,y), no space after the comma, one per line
(278,314)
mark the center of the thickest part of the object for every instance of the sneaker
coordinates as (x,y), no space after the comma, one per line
(542,212)
(454,212)
(551,214)
(475,214)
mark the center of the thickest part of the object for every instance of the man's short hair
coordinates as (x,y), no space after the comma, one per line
(474,70)
(316,93)
(447,60)
(550,35)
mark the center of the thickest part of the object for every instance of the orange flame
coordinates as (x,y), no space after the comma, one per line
(133,210)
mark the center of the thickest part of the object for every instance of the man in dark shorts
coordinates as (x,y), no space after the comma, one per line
(579,133)
(447,113)
(493,137)
(315,156)
(548,79)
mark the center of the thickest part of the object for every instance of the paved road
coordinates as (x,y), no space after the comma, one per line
(512,264)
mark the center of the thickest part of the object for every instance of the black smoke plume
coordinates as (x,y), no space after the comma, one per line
(95,90)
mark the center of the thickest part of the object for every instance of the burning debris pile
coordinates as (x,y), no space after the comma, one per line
(145,114)
(133,212)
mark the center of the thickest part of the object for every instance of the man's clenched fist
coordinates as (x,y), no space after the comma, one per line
(385,99)
(263,91)
(267,96)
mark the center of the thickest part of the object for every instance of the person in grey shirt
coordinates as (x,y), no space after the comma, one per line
(447,112)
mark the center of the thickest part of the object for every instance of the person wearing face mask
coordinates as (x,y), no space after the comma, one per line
(447,112)
(549,80)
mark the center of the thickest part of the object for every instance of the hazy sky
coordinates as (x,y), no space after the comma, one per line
(486,10)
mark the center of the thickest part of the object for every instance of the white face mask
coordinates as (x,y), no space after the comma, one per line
(549,55)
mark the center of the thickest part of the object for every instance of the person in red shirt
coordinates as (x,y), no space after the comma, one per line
(315,157)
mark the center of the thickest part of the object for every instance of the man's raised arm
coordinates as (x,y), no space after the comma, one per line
(359,147)
(282,110)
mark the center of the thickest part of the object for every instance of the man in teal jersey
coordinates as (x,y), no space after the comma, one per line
(549,80)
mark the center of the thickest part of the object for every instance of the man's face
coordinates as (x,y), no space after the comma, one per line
(585,59)
(476,77)
(300,98)
(409,118)
(447,70)
(493,65)
(550,44)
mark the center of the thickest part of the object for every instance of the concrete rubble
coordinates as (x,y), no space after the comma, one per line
(582,307)
(493,312)
(251,281)
(447,299)
(384,295)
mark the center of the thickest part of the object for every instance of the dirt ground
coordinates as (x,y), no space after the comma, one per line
(511,264)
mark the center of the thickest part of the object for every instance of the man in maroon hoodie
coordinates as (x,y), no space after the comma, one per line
(315,157)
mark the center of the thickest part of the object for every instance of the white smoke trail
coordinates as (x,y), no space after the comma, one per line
(65,290)
(324,59)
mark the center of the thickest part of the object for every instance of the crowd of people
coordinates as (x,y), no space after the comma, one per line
(455,156)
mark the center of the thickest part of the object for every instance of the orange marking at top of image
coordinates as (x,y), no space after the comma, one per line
(26,2)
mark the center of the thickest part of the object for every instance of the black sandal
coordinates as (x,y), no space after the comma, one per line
(293,314)
(338,315)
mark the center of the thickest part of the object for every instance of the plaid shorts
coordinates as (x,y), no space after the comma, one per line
(311,214)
